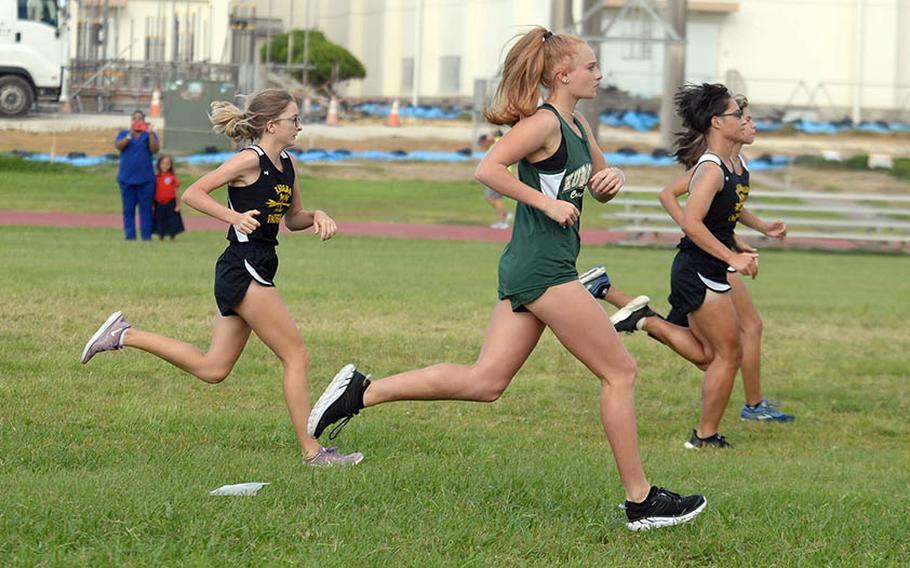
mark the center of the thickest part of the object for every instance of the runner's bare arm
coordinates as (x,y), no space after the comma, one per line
(240,169)
(535,137)
(606,181)
(297,219)
(707,181)
(669,196)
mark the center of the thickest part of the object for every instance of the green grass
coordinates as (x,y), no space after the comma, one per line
(111,464)
(95,190)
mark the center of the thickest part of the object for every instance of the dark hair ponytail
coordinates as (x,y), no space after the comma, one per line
(697,105)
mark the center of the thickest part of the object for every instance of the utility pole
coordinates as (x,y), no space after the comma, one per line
(591,26)
(306,43)
(674,71)
(560,16)
(290,36)
(856,113)
(418,59)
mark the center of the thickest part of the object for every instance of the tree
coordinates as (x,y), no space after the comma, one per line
(330,64)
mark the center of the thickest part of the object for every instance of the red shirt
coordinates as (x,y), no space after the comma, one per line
(166,185)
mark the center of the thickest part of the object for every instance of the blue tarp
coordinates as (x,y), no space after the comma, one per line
(625,158)
(420,111)
(642,121)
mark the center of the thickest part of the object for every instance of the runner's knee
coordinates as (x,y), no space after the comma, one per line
(752,325)
(214,374)
(488,385)
(620,375)
(297,357)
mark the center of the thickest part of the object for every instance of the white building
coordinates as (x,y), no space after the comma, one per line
(830,53)
(150,30)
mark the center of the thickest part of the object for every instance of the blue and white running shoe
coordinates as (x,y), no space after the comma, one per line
(597,281)
(764,411)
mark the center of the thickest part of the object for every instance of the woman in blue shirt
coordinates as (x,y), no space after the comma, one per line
(136,175)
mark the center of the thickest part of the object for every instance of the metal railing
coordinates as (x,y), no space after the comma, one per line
(813,218)
(116,84)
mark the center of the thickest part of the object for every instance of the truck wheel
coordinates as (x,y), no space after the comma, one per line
(15,96)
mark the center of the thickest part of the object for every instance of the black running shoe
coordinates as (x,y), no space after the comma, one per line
(342,399)
(715,441)
(629,317)
(663,508)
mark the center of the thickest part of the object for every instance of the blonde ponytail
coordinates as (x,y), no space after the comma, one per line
(248,125)
(229,120)
(530,63)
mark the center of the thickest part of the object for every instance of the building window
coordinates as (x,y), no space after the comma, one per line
(154,40)
(407,74)
(638,50)
(44,11)
(450,74)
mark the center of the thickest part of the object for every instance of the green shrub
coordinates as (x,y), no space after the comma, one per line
(13,163)
(901,169)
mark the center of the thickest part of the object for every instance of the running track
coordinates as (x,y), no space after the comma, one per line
(360,228)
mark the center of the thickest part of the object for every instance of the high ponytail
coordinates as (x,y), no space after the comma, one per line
(530,63)
(248,125)
(697,105)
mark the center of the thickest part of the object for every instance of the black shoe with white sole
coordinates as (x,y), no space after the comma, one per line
(629,318)
(342,399)
(662,508)
(713,441)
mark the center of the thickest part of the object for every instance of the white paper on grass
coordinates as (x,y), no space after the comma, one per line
(239,488)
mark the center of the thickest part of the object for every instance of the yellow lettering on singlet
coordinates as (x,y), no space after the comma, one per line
(742,192)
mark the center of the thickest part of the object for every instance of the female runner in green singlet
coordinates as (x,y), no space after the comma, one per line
(558,159)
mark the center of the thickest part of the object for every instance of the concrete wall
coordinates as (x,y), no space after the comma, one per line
(833,53)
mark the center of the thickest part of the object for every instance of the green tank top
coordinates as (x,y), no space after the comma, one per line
(541,253)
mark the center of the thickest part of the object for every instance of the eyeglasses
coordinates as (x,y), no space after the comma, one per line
(295,118)
(737,113)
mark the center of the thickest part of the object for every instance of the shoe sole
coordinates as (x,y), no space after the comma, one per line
(658,522)
(110,320)
(691,446)
(769,419)
(355,461)
(591,274)
(627,310)
(329,396)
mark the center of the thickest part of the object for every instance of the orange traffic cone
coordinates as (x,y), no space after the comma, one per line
(155,107)
(394,115)
(332,117)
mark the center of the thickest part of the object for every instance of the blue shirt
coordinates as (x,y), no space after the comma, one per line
(135,160)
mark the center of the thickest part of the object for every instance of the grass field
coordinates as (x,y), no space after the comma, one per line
(111,464)
(35,187)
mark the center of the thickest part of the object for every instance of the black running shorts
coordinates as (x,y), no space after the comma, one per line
(694,272)
(238,265)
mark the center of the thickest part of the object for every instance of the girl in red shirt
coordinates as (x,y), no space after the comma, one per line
(167,219)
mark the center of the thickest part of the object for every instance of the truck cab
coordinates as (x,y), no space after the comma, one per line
(31,55)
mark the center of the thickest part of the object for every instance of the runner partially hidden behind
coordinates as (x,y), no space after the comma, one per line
(636,314)
(557,159)
(262,190)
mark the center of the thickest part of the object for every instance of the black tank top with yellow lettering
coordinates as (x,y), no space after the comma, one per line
(726,207)
(270,195)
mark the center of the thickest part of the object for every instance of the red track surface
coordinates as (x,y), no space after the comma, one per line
(407,231)
(368,228)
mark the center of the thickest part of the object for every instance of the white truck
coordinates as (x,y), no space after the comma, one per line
(31,54)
